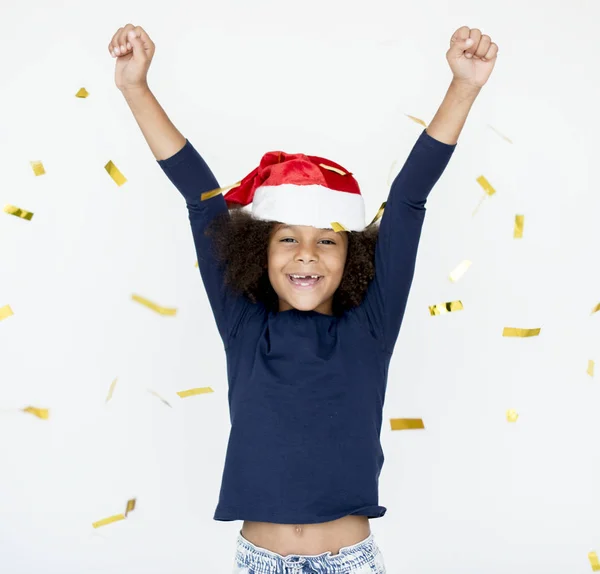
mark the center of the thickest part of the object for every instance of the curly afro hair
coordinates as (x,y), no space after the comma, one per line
(241,245)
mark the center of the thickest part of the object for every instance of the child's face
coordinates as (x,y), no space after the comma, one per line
(303,251)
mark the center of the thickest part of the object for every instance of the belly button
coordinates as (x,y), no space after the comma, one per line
(298,529)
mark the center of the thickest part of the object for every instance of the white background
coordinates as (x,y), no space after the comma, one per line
(470,494)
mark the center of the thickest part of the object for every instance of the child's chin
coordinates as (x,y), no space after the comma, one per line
(305,304)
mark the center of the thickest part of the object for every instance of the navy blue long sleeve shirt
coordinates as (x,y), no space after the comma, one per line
(306,390)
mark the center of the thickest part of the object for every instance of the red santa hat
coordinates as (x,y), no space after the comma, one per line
(300,189)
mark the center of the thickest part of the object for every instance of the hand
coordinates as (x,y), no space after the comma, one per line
(472,57)
(134,50)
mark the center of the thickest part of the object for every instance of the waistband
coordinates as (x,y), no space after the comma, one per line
(267,562)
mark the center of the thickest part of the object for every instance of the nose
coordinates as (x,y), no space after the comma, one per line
(306,254)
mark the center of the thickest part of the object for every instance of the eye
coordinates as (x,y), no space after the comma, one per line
(286,240)
(328,241)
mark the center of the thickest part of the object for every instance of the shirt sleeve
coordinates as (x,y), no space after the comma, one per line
(190,174)
(399,235)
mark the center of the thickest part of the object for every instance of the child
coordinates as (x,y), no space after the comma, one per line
(309,317)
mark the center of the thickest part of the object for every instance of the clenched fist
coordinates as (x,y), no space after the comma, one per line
(472,56)
(134,51)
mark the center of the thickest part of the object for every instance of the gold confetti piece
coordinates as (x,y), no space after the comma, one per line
(417,120)
(193,392)
(596,308)
(82,93)
(459,271)
(514,332)
(130,506)
(379,214)
(406,424)
(115,518)
(337,227)
(389,179)
(512,415)
(210,194)
(108,520)
(159,397)
(160,310)
(519,223)
(486,185)
(5,312)
(590,369)
(38,168)
(218,191)
(444,308)
(196,264)
(331,168)
(501,135)
(114,172)
(22,213)
(593,558)
(479,205)
(40,413)
(111,390)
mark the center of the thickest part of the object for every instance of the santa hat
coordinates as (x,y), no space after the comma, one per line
(299,189)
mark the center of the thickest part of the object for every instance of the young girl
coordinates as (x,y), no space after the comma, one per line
(309,314)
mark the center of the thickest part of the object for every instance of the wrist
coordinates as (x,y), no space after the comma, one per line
(463,89)
(135,91)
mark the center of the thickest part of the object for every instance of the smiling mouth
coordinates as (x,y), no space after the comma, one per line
(305,281)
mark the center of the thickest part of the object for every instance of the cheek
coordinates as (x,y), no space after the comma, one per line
(275,261)
(337,266)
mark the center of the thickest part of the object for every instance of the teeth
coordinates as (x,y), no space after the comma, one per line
(304,276)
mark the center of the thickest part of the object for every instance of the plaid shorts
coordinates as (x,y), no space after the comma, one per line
(362,558)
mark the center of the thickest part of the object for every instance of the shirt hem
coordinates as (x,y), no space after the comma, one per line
(229,516)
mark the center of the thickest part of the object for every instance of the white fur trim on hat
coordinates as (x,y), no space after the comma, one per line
(313,205)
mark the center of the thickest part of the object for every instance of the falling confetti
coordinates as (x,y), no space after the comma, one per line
(512,416)
(487,187)
(115,518)
(38,168)
(417,120)
(160,310)
(590,369)
(16,211)
(337,227)
(82,93)
(210,194)
(444,308)
(406,424)
(109,520)
(130,506)
(379,214)
(389,179)
(111,390)
(43,414)
(334,169)
(193,392)
(218,191)
(114,172)
(159,397)
(5,312)
(593,558)
(595,309)
(459,271)
(519,223)
(501,135)
(513,332)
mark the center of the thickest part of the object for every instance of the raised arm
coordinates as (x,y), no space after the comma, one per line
(182,164)
(472,57)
